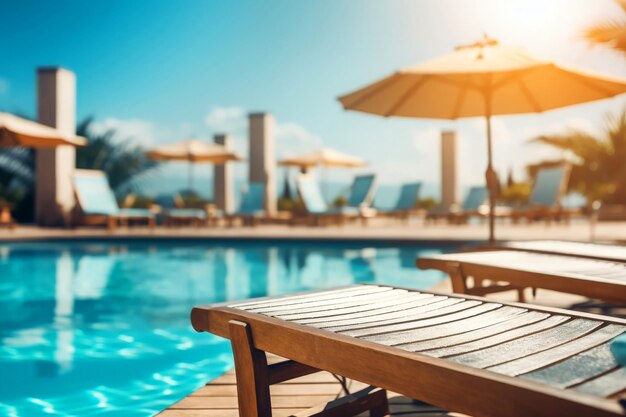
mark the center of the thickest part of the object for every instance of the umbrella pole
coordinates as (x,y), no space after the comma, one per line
(190,178)
(490,176)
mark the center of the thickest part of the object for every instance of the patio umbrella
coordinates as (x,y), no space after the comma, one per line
(193,151)
(16,131)
(326,157)
(482,79)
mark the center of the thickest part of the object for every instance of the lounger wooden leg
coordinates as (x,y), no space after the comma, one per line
(253,391)
(459,285)
(254,377)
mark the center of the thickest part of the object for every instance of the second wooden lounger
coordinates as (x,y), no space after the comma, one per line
(591,278)
(462,353)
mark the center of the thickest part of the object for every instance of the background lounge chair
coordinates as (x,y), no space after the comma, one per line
(97,203)
(174,212)
(362,191)
(252,207)
(465,354)
(616,253)
(545,198)
(317,210)
(588,277)
(406,205)
(473,205)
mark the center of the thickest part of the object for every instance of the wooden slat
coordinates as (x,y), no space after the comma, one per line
(605,385)
(567,373)
(441,307)
(448,329)
(309,297)
(541,359)
(442,342)
(373,302)
(380,334)
(400,306)
(433,311)
(527,345)
(324,305)
(497,339)
(589,250)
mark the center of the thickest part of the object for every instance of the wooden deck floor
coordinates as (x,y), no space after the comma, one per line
(219,398)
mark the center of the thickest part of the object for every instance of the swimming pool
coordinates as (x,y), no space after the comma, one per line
(96,328)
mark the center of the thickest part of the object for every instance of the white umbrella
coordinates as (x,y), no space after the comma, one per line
(16,131)
(194,151)
(482,79)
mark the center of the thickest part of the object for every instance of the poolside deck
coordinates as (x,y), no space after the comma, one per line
(378,229)
(219,398)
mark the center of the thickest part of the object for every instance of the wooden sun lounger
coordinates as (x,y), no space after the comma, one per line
(591,278)
(616,253)
(462,353)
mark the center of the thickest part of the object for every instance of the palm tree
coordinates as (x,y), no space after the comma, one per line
(599,171)
(611,32)
(123,163)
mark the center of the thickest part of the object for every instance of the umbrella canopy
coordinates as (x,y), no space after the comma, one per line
(194,150)
(16,131)
(325,157)
(481,79)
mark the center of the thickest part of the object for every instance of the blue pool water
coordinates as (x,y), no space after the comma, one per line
(94,328)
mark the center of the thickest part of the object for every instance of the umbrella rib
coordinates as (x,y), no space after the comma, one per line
(395,77)
(587,82)
(524,88)
(416,86)
(457,106)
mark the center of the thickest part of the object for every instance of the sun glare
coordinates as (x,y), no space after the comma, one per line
(543,25)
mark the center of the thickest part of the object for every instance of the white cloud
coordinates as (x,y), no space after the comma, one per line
(138,131)
(231,120)
(291,138)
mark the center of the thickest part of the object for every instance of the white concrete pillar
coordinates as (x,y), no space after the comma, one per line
(262,158)
(223,179)
(56,107)
(449,184)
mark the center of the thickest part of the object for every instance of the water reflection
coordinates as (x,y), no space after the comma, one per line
(82,322)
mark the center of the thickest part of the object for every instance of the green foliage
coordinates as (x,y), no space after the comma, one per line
(193,200)
(286,204)
(516,194)
(427,203)
(123,162)
(340,201)
(599,172)
(611,33)
(142,201)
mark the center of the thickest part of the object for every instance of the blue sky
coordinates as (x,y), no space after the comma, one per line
(160,71)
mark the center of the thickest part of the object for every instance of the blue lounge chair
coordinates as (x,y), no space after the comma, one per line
(174,212)
(362,191)
(316,207)
(97,203)
(252,207)
(545,198)
(407,201)
(473,205)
